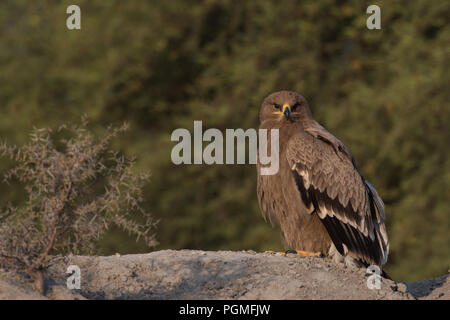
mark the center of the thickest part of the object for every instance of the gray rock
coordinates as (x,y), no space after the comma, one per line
(192,274)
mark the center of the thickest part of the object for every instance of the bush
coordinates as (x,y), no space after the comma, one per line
(76,188)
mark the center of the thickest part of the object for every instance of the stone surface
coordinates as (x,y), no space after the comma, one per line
(192,274)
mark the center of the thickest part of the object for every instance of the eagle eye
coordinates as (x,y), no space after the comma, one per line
(297,104)
(277,106)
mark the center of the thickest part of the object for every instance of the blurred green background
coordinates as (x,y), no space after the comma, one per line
(160,65)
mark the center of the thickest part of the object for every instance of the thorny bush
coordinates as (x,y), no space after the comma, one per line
(76,188)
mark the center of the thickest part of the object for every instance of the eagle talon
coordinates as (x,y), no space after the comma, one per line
(299,252)
(308,253)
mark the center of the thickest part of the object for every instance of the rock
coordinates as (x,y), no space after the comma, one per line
(192,274)
(16,291)
(399,287)
(59,292)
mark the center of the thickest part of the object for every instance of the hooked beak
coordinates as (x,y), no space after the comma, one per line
(286,110)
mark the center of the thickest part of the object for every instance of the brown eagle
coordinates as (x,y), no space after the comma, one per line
(318,196)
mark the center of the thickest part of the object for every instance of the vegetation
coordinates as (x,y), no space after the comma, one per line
(75,191)
(160,65)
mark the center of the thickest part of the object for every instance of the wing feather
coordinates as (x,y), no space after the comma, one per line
(330,184)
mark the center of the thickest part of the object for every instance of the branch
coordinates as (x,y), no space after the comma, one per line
(20,261)
(38,262)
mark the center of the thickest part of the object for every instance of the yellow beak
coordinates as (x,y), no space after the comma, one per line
(286,110)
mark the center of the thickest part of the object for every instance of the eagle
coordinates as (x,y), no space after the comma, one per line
(323,204)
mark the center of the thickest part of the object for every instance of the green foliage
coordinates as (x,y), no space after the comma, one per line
(163,64)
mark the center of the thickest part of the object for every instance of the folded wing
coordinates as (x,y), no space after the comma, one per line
(331,186)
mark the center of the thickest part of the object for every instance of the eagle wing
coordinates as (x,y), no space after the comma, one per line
(331,186)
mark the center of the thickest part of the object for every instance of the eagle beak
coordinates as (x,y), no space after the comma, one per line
(286,110)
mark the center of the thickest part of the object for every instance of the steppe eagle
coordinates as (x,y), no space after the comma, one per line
(319,198)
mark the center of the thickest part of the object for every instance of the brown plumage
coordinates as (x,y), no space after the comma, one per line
(318,196)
